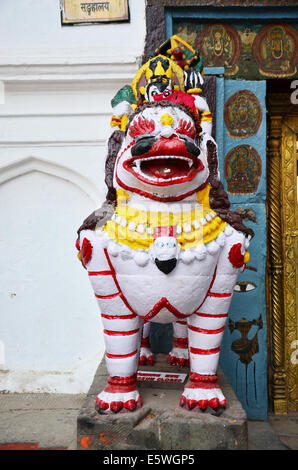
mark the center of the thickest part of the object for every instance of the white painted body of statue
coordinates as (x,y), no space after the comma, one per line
(164,256)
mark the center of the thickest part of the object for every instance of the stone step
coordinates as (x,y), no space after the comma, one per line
(161,424)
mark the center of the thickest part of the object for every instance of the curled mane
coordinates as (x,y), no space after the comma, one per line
(218,198)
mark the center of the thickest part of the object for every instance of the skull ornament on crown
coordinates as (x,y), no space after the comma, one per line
(164,246)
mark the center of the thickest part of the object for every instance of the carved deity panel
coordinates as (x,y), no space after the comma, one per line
(220,46)
(243,170)
(243,114)
(275,50)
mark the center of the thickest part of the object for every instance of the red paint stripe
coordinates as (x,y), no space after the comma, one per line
(121,333)
(206,331)
(27,446)
(99,273)
(179,180)
(119,317)
(181,343)
(195,377)
(151,374)
(20,446)
(158,198)
(210,287)
(219,294)
(115,380)
(204,351)
(121,384)
(202,385)
(120,388)
(126,148)
(181,322)
(120,356)
(145,343)
(163,303)
(125,301)
(209,315)
(117,283)
(111,296)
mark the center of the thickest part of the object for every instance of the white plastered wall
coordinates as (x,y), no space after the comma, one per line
(54,121)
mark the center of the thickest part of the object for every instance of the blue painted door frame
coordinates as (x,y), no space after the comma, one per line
(214,13)
(244,349)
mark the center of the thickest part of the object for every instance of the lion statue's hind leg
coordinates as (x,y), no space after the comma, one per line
(179,353)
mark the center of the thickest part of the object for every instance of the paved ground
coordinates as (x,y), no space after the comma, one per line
(264,436)
(286,428)
(46,421)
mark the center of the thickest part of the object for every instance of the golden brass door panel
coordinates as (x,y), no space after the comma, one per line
(282,252)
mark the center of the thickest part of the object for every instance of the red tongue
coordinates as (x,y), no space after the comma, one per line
(165,167)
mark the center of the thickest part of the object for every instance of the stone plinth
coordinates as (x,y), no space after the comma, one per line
(161,423)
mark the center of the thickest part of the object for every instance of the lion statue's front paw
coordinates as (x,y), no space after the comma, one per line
(178,357)
(146,357)
(120,395)
(201,394)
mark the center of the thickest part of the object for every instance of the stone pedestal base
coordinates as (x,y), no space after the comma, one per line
(161,423)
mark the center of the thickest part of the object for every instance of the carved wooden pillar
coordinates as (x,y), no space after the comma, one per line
(276,307)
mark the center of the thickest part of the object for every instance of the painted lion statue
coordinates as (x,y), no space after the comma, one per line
(164,246)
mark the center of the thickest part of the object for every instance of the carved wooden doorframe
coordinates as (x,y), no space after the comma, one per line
(282,252)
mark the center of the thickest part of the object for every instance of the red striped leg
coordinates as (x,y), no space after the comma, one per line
(179,353)
(205,336)
(146,355)
(206,327)
(205,333)
(122,334)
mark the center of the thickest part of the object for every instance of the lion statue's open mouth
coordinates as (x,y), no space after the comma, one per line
(164,161)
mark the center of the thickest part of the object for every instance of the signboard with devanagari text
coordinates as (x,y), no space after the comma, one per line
(93,11)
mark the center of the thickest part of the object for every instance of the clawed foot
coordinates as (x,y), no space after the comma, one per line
(178,357)
(201,394)
(118,397)
(146,357)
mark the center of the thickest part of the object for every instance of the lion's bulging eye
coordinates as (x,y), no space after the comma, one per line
(244,286)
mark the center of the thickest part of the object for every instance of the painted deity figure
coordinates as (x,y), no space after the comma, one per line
(164,246)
